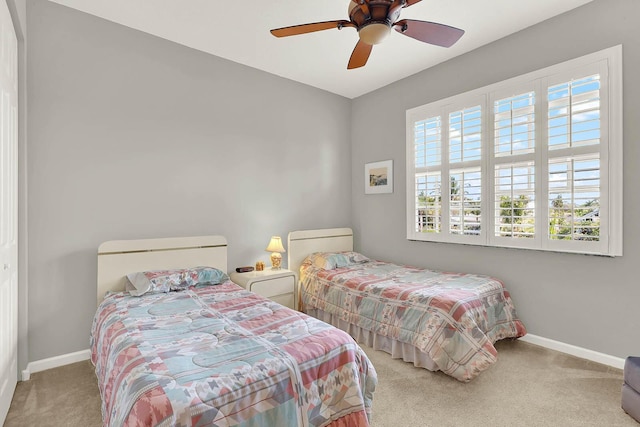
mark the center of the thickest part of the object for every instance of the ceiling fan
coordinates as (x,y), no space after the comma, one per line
(374,19)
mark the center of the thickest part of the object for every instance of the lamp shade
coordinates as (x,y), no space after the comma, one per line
(275,245)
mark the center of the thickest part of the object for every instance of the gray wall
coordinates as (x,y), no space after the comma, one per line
(588,301)
(131,136)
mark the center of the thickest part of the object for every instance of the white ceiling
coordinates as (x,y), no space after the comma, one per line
(239,31)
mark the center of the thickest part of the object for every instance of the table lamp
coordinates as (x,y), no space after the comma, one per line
(276,248)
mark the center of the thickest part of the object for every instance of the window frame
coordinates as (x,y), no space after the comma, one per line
(608,64)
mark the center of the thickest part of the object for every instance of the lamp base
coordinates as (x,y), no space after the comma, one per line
(276,260)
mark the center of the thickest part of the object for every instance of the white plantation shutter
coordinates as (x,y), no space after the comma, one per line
(514,168)
(533,162)
(465,201)
(465,181)
(427,146)
(428,142)
(429,202)
(515,197)
(574,198)
(514,125)
(465,135)
(574,111)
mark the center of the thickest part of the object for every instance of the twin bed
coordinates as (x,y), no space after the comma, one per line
(212,353)
(436,320)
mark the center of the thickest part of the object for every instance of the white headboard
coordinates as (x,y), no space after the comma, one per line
(305,242)
(117,258)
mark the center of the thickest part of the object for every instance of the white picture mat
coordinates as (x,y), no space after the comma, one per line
(385,167)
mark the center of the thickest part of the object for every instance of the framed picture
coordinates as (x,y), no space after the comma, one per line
(378,177)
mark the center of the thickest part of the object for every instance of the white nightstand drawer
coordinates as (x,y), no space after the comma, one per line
(274,287)
(277,285)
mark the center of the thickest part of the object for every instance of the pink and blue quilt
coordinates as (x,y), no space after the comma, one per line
(454,318)
(220,355)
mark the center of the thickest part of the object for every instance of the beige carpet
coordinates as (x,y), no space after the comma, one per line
(66,397)
(529,386)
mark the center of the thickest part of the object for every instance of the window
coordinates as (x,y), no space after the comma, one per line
(533,162)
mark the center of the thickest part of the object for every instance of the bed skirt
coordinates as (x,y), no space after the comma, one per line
(397,349)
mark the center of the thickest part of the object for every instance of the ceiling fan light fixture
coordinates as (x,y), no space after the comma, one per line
(374,33)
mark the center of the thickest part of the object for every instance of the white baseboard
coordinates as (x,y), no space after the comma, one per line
(583,353)
(54,362)
(573,350)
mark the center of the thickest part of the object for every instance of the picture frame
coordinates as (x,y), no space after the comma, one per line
(378,177)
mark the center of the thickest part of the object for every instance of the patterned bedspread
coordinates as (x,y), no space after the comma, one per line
(220,355)
(454,318)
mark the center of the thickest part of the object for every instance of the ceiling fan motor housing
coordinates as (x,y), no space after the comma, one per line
(372,19)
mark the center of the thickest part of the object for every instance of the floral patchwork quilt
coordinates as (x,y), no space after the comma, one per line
(221,355)
(454,318)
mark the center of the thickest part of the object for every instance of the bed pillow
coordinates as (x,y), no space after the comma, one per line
(210,276)
(158,281)
(332,260)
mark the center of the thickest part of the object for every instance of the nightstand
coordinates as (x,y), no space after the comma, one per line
(277,285)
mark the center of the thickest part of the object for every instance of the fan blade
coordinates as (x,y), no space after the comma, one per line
(411,2)
(310,28)
(360,55)
(429,32)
